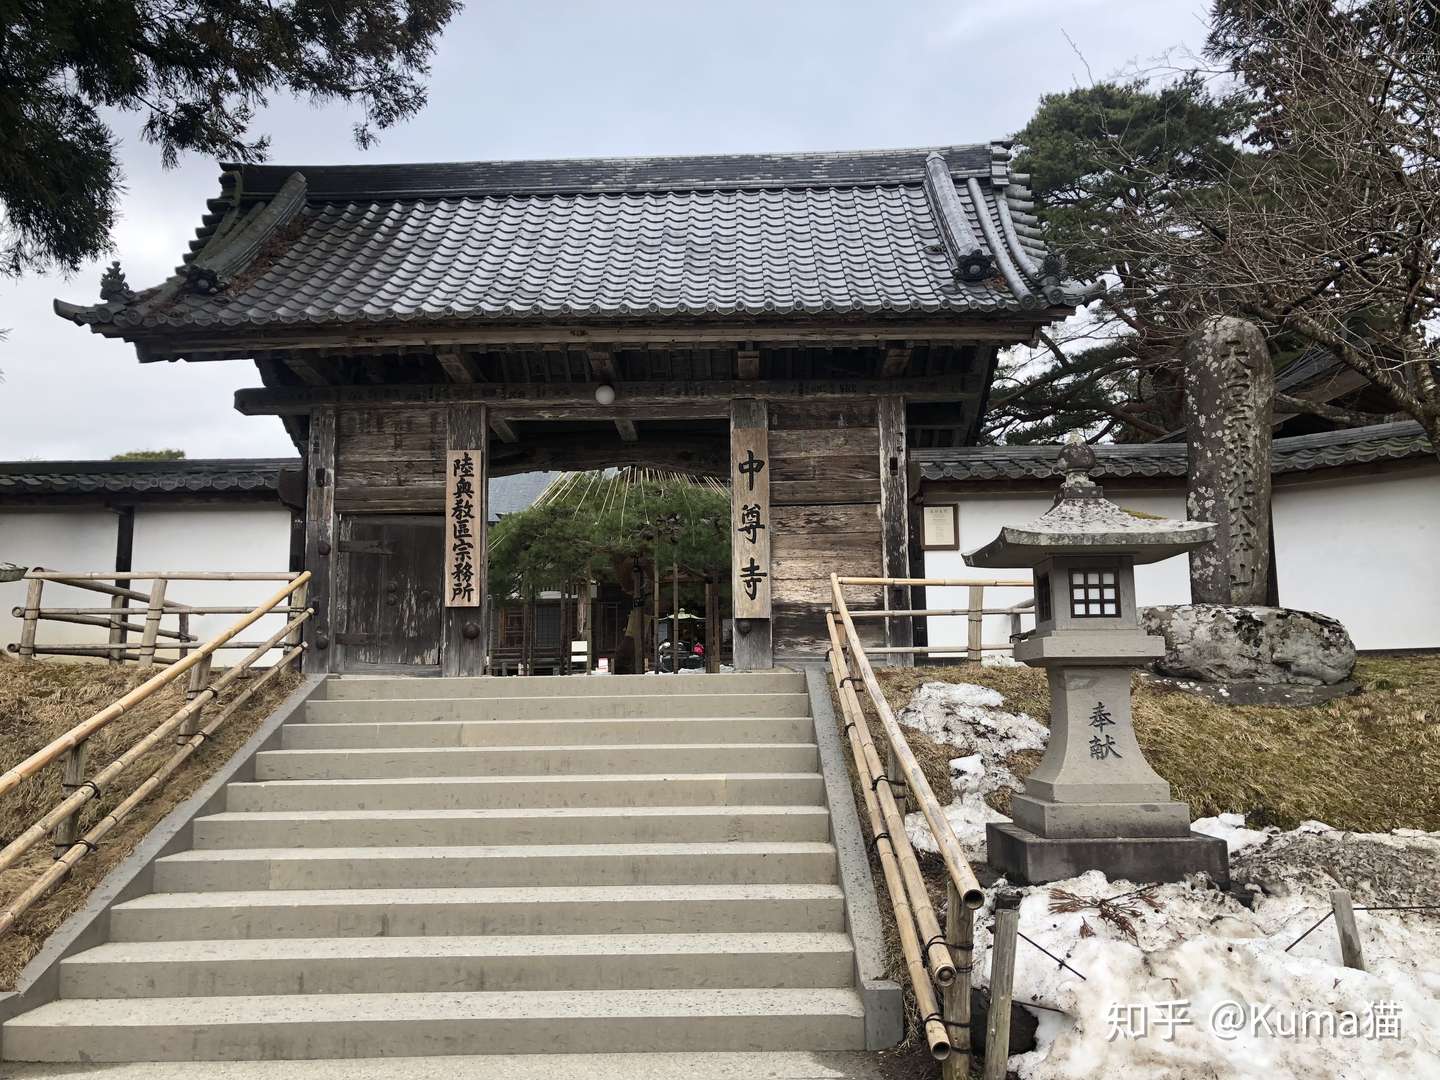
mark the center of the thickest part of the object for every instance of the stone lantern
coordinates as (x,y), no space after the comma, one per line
(1093,803)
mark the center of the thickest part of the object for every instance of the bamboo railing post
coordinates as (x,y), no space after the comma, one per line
(118,623)
(299,600)
(152,623)
(960,937)
(31,618)
(75,761)
(183,625)
(199,681)
(1350,950)
(975,624)
(1002,983)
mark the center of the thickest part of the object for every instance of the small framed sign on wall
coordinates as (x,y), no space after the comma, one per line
(940,527)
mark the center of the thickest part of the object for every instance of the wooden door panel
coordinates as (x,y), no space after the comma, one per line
(392,570)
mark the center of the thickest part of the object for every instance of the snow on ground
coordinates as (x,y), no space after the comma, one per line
(1206,988)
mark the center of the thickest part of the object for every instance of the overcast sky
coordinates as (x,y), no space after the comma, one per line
(549,79)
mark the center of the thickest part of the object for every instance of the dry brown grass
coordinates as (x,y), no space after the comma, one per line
(39,701)
(1366,762)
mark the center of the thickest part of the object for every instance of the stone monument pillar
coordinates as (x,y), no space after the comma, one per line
(1229,401)
(1094,802)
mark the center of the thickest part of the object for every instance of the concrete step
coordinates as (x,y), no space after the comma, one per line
(651,730)
(467,867)
(215,968)
(613,909)
(587,825)
(597,706)
(545,760)
(395,1025)
(358,688)
(529,792)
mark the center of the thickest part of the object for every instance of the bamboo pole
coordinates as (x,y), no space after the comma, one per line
(84,846)
(955,999)
(936,582)
(891,819)
(83,730)
(936,1036)
(152,623)
(950,850)
(99,587)
(887,613)
(974,623)
(119,609)
(32,618)
(89,576)
(882,650)
(170,609)
(112,622)
(91,789)
(1002,983)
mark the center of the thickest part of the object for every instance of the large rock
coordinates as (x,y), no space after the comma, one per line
(1224,643)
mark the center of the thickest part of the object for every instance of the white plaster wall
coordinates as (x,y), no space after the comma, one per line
(188,538)
(79,540)
(981,517)
(201,538)
(1366,552)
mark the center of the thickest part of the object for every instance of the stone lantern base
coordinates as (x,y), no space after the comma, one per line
(1027,859)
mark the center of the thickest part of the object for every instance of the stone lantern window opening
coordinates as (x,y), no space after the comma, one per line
(1094,593)
(1044,611)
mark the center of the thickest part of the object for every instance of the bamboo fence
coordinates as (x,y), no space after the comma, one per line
(183,723)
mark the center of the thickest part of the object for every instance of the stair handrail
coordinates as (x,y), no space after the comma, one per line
(939,964)
(183,722)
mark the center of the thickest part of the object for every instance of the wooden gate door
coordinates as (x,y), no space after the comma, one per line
(389,606)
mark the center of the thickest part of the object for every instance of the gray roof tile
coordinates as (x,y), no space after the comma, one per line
(777,234)
(1297,453)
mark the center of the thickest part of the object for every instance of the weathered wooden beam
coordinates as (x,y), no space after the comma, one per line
(211,346)
(458,365)
(310,369)
(320,540)
(513,398)
(627,431)
(897,359)
(602,366)
(747,362)
(504,430)
(894,522)
(701,457)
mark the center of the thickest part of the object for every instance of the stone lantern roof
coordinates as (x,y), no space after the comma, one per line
(1083,522)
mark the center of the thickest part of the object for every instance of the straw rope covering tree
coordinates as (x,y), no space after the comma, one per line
(594,525)
(605,526)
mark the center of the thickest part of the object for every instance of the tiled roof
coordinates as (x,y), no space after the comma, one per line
(906,231)
(198,477)
(511,494)
(1298,453)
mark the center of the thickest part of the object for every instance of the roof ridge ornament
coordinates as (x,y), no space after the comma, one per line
(969,261)
(114,289)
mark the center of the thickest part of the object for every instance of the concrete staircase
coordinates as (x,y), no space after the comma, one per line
(489,866)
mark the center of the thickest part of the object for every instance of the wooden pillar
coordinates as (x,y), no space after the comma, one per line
(320,540)
(464,640)
(124,557)
(712,627)
(894,523)
(750,538)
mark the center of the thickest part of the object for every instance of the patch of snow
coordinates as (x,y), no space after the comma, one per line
(999,659)
(1203,948)
(968,816)
(1231,828)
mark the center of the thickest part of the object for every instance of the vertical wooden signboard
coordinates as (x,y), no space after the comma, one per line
(750,530)
(462,534)
(463,644)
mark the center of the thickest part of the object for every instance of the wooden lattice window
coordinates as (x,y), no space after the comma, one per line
(1094,594)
